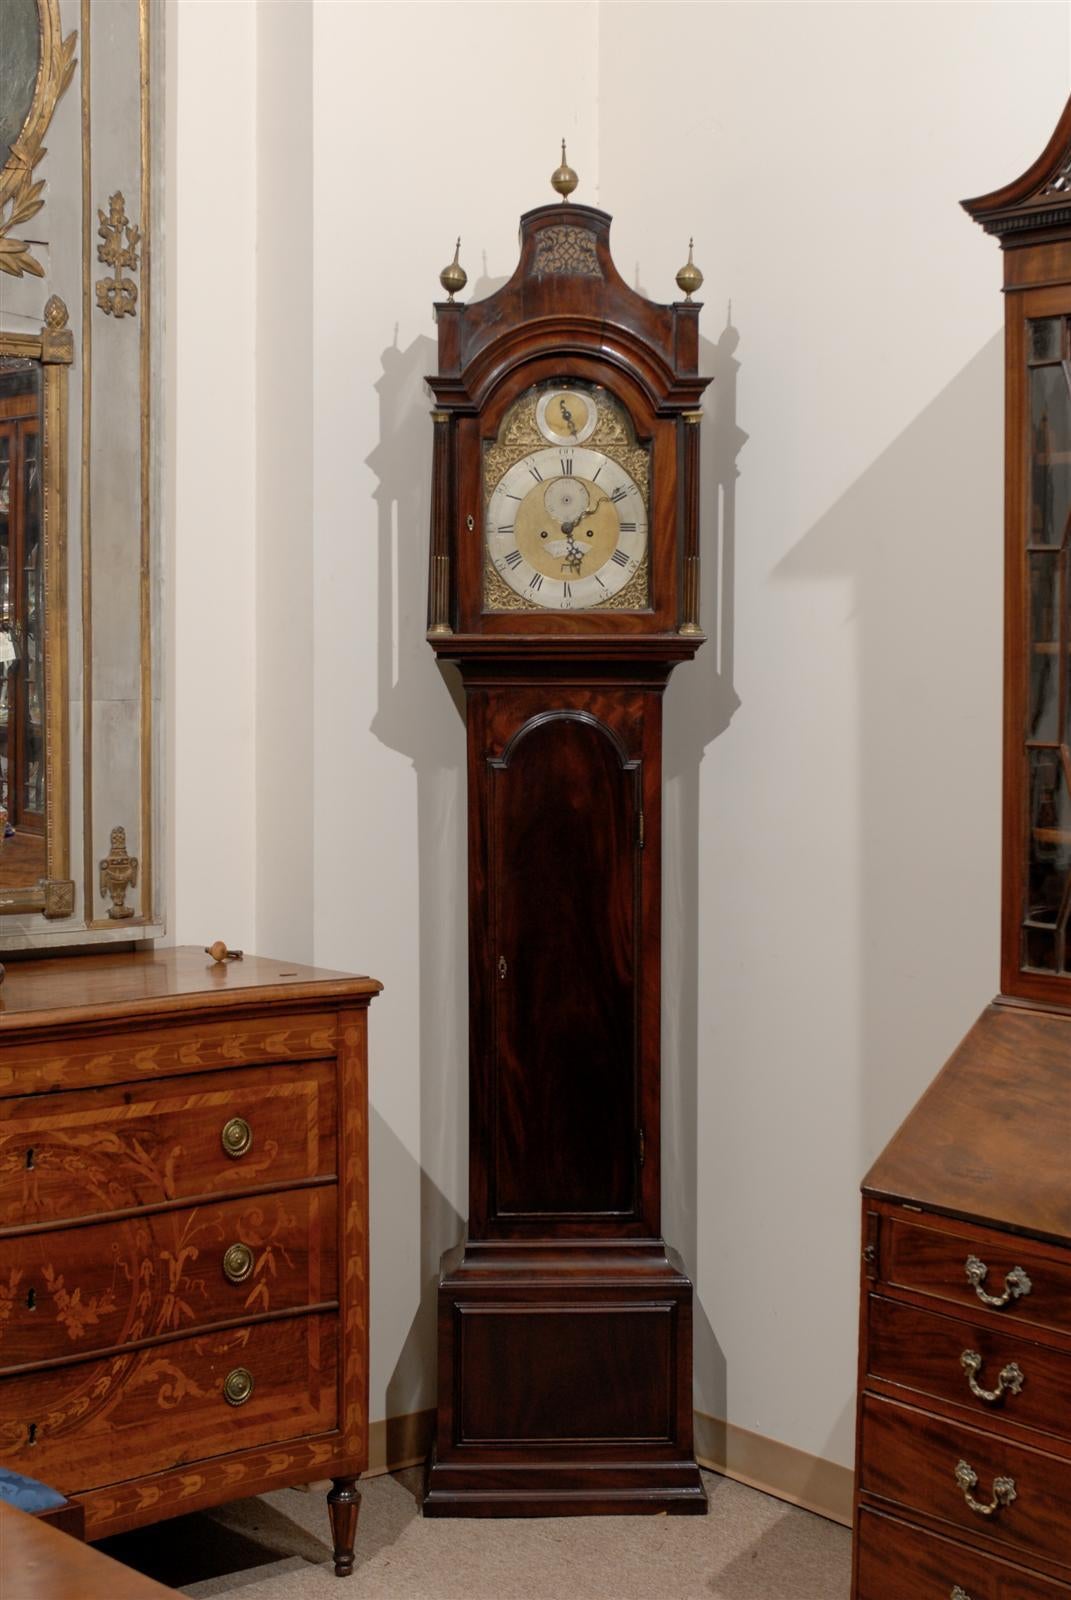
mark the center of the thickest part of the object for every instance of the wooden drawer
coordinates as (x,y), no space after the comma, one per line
(911,1458)
(79,1290)
(144,1053)
(897,1562)
(108,1150)
(934,1262)
(101,1422)
(922,1350)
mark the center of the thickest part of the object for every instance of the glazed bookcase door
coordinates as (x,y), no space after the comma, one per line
(1037,949)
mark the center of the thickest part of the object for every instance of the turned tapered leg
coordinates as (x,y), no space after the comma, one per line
(343,1505)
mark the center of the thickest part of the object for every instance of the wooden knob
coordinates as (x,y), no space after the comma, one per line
(220,953)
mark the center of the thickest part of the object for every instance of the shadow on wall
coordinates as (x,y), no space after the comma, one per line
(700,704)
(928,599)
(420,713)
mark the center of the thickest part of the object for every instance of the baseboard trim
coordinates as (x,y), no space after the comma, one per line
(777,1469)
(400,1442)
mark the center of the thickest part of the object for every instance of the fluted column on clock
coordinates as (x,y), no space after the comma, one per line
(690,522)
(439,562)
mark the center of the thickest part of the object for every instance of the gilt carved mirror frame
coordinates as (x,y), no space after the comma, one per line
(81,397)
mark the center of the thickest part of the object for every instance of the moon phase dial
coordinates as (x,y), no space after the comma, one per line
(566,528)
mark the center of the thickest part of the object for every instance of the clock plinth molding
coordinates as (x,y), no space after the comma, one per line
(564,1319)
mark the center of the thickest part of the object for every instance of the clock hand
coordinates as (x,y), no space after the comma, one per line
(590,512)
(567,417)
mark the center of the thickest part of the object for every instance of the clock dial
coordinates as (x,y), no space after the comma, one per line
(566,528)
(566,416)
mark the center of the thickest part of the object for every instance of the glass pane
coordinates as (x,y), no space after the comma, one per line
(1039,949)
(1044,706)
(33,771)
(1045,339)
(1050,463)
(1049,859)
(7,649)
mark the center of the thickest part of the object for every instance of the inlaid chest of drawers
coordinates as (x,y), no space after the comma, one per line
(183,1232)
(963,1481)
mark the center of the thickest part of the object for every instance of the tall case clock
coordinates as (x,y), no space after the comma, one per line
(564,585)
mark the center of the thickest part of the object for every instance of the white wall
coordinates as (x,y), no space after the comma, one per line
(832,755)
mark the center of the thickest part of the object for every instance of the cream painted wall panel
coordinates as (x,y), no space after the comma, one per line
(212,296)
(833,794)
(832,756)
(285,626)
(419,136)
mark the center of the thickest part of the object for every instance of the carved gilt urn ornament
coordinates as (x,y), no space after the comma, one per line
(118,873)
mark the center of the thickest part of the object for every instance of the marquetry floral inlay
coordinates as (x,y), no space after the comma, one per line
(78,1316)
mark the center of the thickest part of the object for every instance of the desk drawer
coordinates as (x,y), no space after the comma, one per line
(109,1150)
(924,1351)
(911,1458)
(74,1291)
(101,1422)
(1028,1286)
(897,1562)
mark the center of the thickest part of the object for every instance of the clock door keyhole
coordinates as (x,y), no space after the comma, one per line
(502,968)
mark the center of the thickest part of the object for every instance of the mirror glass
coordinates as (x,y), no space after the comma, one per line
(20,60)
(23,855)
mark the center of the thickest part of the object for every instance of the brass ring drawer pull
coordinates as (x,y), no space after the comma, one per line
(1010,1379)
(237,1136)
(237,1262)
(238,1386)
(1003,1491)
(1015,1284)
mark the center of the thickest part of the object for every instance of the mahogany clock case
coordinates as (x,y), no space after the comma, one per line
(565,1322)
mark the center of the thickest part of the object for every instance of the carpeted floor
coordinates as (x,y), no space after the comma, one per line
(749,1548)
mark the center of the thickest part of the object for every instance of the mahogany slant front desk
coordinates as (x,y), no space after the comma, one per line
(964,1475)
(183,1232)
(964,1444)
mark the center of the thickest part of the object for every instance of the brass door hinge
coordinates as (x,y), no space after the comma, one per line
(639,829)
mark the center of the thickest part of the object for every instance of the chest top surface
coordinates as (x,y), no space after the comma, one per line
(990,1141)
(161,983)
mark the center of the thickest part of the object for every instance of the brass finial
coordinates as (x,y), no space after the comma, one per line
(454,277)
(689,278)
(564,179)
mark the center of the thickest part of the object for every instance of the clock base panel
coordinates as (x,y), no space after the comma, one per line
(565,1381)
